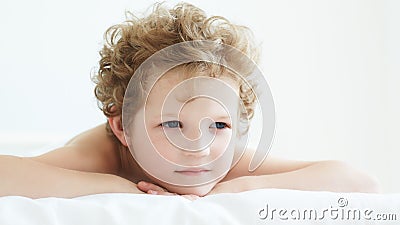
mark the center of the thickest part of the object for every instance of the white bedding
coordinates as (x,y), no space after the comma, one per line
(241,208)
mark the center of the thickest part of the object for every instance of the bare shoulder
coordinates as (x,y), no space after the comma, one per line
(96,136)
(92,151)
(270,165)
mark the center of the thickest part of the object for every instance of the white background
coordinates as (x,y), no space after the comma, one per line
(333,67)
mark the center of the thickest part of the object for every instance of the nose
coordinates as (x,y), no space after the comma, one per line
(201,152)
(198,140)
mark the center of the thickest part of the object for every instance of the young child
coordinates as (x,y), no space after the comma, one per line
(171,135)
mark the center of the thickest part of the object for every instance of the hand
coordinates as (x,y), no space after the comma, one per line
(236,185)
(121,185)
(153,189)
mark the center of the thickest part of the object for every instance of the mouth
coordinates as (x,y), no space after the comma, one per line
(193,172)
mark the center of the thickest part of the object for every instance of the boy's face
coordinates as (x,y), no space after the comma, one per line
(184,136)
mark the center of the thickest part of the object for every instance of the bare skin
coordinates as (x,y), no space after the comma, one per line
(93,158)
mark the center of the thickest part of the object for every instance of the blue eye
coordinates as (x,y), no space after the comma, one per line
(172,124)
(219,125)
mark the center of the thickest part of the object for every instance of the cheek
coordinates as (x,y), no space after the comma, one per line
(161,144)
(140,142)
(148,140)
(221,142)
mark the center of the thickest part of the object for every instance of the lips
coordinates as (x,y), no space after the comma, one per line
(193,172)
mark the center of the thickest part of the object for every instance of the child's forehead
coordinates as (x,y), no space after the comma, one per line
(176,77)
(176,86)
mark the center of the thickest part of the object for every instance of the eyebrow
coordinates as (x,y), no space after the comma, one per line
(168,114)
(174,115)
(223,117)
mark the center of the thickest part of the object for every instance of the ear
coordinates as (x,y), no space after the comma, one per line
(116,126)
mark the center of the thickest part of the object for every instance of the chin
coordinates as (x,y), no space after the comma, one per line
(199,190)
(196,190)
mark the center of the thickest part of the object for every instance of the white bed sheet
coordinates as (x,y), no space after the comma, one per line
(240,208)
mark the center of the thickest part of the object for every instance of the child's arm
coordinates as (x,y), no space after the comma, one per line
(330,175)
(26,177)
(88,164)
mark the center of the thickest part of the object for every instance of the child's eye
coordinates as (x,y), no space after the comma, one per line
(172,124)
(219,125)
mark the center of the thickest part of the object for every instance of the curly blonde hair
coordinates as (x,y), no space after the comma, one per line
(130,43)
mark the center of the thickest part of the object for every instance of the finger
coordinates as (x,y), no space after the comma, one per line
(160,193)
(145,187)
(191,197)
